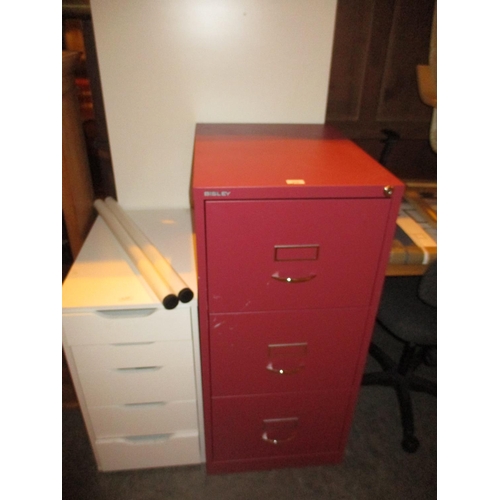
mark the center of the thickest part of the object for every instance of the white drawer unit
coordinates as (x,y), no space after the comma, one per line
(119,326)
(137,385)
(135,419)
(161,450)
(142,356)
(134,364)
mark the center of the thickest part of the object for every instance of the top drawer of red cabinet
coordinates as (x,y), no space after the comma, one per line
(290,254)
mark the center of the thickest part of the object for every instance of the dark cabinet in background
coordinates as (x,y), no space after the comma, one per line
(373,80)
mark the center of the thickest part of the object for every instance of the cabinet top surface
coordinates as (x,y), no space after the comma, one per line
(282,158)
(103,276)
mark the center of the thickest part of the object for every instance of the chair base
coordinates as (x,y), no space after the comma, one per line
(401,377)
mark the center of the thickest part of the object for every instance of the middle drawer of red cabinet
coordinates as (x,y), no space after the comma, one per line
(284,351)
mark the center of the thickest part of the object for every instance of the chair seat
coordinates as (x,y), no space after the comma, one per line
(403,312)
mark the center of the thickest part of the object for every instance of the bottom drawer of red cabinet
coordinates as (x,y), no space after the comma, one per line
(277,425)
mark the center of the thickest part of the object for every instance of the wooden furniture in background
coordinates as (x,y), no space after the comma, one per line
(373,85)
(427,82)
(412,251)
(78,35)
(77,190)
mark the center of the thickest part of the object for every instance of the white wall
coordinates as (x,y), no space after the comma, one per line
(167,64)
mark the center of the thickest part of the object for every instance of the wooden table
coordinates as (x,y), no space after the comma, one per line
(413,250)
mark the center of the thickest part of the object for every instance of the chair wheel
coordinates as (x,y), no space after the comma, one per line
(410,444)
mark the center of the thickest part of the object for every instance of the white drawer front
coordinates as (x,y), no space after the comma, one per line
(138,385)
(135,325)
(175,354)
(144,419)
(151,451)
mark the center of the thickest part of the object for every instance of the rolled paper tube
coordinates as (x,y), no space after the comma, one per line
(162,290)
(164,268)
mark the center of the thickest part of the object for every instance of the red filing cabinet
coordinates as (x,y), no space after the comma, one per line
(294,225)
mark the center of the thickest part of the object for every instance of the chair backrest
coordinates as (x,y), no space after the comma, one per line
(427,290)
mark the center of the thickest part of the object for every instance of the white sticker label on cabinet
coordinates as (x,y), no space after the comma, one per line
(295,181)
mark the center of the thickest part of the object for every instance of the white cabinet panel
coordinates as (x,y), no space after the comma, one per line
(144,419)
(142,385)
(130,325)
(174,355)
(148,451)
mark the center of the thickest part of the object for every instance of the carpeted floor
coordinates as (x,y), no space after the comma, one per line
(375,466)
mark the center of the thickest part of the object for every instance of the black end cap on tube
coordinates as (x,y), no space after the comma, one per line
(170,301)
(185,295)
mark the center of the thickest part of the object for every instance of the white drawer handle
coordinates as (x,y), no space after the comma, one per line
(125,313)
(288,279)
(140,368)
(142,439)
(144,405)
(122,344)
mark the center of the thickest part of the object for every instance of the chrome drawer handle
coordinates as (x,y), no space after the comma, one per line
(286,355)
(279,441)
(289,425)
(288,279)
(281,371)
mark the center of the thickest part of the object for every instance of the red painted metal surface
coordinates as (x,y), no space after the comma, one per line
(277,425)
(245,276)
(284,351)
(259,189)
(287,161)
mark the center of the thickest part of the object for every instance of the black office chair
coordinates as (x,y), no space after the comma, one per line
(408,310)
